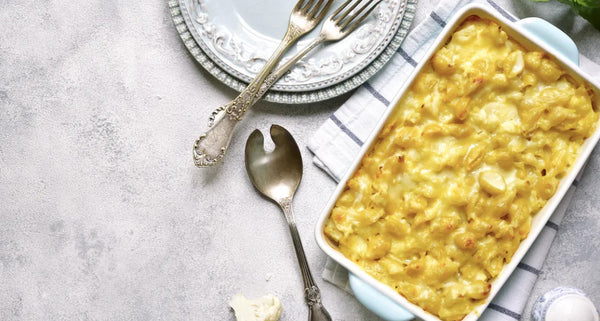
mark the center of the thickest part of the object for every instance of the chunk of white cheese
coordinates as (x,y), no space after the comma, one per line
(500,117)
(266,308)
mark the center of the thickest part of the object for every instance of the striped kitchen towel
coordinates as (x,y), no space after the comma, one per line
(339,139)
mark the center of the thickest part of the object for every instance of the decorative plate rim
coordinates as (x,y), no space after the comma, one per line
(291,97)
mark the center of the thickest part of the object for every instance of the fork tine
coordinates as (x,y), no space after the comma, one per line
(338,10)
(298,5)
(325,10)
(346,12)
(307,6)
(315,9)
(356,22)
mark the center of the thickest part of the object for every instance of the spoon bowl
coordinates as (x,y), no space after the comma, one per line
(276,174)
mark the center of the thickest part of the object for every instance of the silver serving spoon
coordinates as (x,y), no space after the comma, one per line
(276,175)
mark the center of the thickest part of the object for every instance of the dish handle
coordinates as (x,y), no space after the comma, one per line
(375,301)
(552,36)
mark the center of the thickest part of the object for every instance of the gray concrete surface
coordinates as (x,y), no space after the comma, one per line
(103,215)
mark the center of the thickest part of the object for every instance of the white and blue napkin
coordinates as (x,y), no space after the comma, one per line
(338,141)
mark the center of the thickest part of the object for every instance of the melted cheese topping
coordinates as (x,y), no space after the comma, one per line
(474,149)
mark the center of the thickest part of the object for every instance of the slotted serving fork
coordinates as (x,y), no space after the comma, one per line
(211,146)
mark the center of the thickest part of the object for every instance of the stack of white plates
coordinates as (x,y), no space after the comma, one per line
(232,39)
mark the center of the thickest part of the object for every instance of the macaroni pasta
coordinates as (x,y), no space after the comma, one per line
(474,149)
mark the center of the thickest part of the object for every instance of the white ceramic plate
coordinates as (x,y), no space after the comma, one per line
(236,37)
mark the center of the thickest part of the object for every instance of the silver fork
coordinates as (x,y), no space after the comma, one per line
(335,27)
(211,146)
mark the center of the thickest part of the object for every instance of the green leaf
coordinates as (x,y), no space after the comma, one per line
(588,3)
(590,14)
(587,9)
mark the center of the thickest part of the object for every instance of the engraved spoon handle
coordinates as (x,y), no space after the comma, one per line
(312,294)
(211,146)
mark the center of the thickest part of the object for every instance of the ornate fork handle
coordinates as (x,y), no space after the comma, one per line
(211,146)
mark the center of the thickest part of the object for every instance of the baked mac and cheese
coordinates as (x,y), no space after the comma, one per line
(474,149)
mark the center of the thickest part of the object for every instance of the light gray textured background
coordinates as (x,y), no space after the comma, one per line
(103,215)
